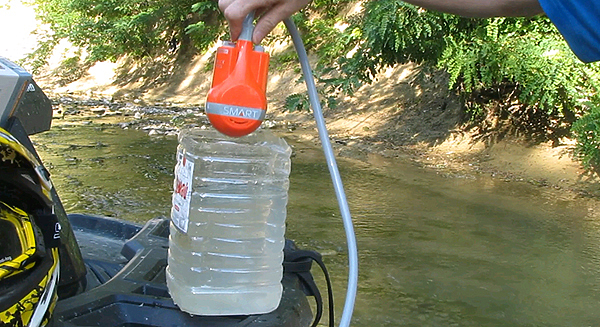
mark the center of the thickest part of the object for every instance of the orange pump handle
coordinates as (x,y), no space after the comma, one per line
(237,102)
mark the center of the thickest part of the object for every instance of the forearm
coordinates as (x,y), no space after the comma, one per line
(482,8)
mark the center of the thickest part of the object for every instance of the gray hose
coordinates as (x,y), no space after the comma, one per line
(333,171)
(247,27)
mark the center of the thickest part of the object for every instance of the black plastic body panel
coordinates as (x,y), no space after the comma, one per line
(127,287)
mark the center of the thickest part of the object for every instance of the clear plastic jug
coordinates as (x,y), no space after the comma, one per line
(228,222)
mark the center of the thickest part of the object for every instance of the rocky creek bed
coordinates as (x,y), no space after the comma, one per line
(509,161)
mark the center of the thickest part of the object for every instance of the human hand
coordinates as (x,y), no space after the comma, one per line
(271,12)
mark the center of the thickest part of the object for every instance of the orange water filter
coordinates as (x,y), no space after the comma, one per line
(237,102)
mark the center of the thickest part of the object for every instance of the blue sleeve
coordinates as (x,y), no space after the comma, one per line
(579,23)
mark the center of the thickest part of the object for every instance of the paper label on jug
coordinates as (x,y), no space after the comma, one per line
(182,195)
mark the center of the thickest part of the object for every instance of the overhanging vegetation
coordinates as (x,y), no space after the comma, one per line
(518,71)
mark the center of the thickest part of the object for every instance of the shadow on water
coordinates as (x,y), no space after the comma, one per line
(434,251)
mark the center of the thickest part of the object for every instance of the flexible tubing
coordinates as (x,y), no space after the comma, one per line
(247,27)
(333,171)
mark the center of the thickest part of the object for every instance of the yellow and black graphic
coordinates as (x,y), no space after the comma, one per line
(23,176)
(9,156)
(12,152)
(17,232)
(28,271)
(36,307)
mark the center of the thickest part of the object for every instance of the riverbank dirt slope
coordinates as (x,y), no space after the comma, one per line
(405,113)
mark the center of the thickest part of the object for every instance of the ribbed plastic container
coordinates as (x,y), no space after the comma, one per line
(228,222)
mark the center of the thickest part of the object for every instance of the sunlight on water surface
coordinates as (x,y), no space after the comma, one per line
(434,251)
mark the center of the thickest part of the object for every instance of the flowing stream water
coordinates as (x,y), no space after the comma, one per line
(434,250)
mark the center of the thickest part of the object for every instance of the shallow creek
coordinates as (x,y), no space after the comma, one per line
(434,251)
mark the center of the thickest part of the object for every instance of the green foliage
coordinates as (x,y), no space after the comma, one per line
(328,36)
(70,70)
(587,133)
(395,32)
(202,32)
(337,80)
(329,8)
(327,94)
(324,32)
(353,49)
(544,73)
(478,54)
(518,70)
(39,57)
(110,29)
(297,102)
